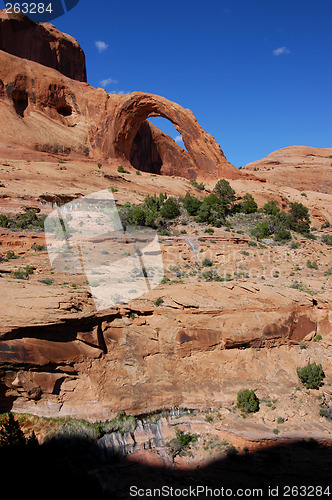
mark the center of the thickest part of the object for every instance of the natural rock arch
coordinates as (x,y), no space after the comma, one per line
(132,110)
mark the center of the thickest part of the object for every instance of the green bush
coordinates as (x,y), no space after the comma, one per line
(327,239)
(326,412)
(121,170)
(23,274)
(271,208)
(207,262)
(211,211)
(299,220)
(226,195)
(312,265)
(311,375)
(11,255)
(3,220)
(325,224)
(249,205)
(197,185)
(180,444)
(170,208)
(47,281)
(262,230)
(247,401)
(282,235)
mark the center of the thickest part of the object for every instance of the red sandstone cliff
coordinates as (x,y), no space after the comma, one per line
(42,43)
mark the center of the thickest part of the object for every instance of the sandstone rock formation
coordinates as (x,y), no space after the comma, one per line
(207,157)
(67,359)
(43,109)
(42,43)
(301,167)
(195,340)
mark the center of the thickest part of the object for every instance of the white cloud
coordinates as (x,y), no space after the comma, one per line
(280,51)
(107,82)
(178,139)
(101,46)
(120,92)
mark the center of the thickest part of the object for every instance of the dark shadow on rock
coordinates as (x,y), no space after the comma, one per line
(72,466)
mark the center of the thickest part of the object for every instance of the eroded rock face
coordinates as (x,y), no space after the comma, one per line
(42,43)
(44,109)
(132,110)
(194,350)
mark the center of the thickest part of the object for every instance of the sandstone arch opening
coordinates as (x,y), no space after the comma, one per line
(149,149)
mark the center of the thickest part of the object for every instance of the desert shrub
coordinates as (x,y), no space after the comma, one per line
(3,220)
(327,239)
(138,172)
(299,220)
(121,170)
(197,185)
(38,248)
(170,208)
(325,225)
(211,275)
(311,375)
(211,210)
(262,230)
(47,281)
(11,255)
(159,301)
(226,195)
(138,216)
(280,420)
(247,401)
(312,265)
(154,202)
(326,412)
(282,235)
(207,262)
(249,205)
(294,245)
(209,230)
(180,444)
(271,208)
(23,274)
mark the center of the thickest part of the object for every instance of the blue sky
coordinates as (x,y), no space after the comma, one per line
(256,73)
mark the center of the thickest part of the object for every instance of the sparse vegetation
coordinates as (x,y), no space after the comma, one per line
(181,443)
(197,185)
(122,170)
(311,375)
(23,274)
(28,220)
(327,239)
(312,265)
(247,401)
(159,301)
